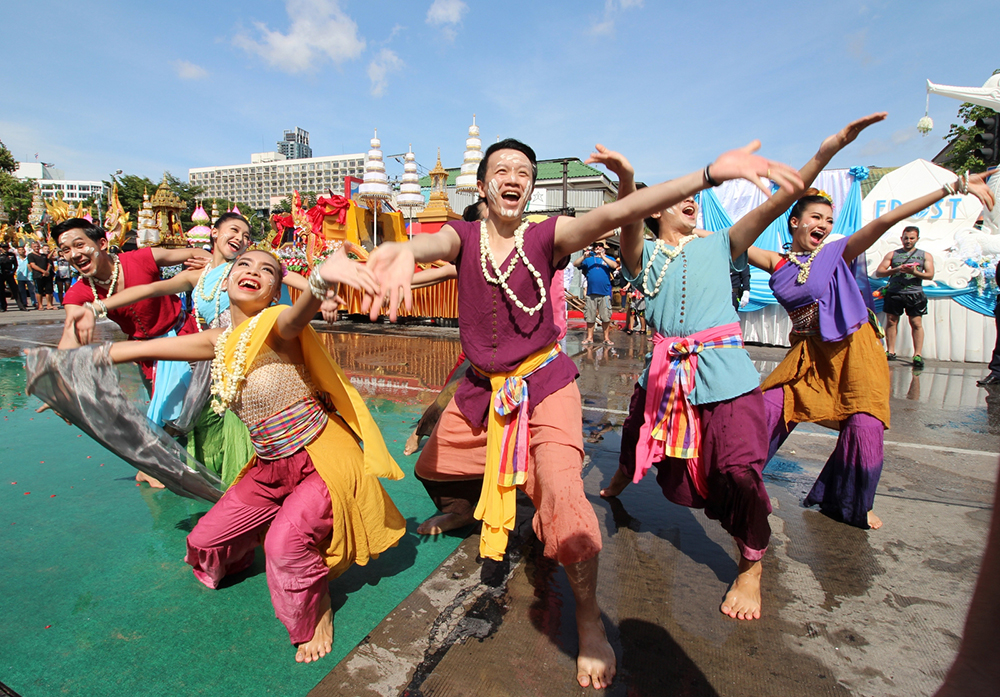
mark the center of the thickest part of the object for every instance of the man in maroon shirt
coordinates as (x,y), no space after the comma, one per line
(85,247)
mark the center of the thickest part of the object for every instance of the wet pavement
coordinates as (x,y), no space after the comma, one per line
(846,611)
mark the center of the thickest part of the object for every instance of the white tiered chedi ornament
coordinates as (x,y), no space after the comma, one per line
(410,197)
(466,180)
(375,187)
(147,234)
(201,233)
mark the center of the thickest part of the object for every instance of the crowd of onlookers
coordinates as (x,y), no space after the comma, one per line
(33,276)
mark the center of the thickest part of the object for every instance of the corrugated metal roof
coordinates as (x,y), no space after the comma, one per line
(874,175)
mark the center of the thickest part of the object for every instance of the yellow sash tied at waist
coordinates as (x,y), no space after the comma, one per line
(506,450)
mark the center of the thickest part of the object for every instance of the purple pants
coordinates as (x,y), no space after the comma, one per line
(292,498)
(845,489)
(733,444)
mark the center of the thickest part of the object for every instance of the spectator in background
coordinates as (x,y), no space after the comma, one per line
(25,288)
(42,275)
(907,268)
(8,280)
(63,275)
(597,269)
(741,285)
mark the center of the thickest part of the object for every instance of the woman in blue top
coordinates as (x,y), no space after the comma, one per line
(697,412)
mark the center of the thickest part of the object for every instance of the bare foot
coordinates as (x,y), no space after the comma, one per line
(742,602)
(618,483)
(596,663)
(322,642)
(143,477)
(412,443)
(874,522)
(444,522)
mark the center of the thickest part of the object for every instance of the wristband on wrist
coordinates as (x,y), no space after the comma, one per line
(317,286)
(708,177)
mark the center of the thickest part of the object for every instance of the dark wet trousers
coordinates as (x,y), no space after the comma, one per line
(8,282)
(733,450)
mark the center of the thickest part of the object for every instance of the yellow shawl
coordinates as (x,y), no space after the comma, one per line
(329,378)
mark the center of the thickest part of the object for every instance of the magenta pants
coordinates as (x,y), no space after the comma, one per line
(290,497)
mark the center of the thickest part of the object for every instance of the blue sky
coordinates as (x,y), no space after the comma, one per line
(146,87)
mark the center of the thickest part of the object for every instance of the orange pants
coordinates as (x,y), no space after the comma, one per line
(452,463)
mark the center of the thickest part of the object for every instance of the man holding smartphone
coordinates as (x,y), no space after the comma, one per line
(598,268)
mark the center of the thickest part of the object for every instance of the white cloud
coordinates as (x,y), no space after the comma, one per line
(319,30)
(189,71)
(443,12)
(611,9)
(378,70)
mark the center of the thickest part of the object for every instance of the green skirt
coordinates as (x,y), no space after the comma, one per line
(222,443)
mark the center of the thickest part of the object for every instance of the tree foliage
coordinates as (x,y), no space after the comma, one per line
(961,138)
(15,194)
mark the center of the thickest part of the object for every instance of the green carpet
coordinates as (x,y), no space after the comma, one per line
(96,599)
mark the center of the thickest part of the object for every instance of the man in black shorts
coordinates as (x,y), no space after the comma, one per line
(42,271)
(907,268)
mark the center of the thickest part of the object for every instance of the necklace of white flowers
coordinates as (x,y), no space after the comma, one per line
(226,383)
(804,266)
(500,277)
(112,285)
(670,254)
(199,291)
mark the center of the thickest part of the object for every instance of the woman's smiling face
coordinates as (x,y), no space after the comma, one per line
(255,279)
(811,228)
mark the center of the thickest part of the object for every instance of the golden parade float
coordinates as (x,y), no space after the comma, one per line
(304,237)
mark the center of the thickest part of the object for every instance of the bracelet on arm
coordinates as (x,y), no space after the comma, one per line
(963,182)
(99,309)
(708,176)
(950,189)
(317,286)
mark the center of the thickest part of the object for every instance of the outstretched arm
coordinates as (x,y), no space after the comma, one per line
(747,229)
(172,257)
(864,238)
(763,259)
(337,269)
(81,320)
(433,276)
(189,347)
(573,234)
(631,234)
(391,265)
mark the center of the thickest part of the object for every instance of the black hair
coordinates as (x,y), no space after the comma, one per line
(472,212)
(508,144)
(222,219)
(229,216)
(810,198)
(89,229)
(652,223)
(911,227)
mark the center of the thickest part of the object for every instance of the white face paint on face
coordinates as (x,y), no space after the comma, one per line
(510,183)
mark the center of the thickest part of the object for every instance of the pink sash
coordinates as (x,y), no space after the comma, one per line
(672,425)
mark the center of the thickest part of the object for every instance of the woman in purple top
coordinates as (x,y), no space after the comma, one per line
(836,372)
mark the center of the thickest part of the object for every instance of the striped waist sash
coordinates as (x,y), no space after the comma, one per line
(288,431)
(672,425)
(506,450)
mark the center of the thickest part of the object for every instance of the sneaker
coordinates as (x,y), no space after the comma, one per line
(890,356)
(990,379)
(918,362)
